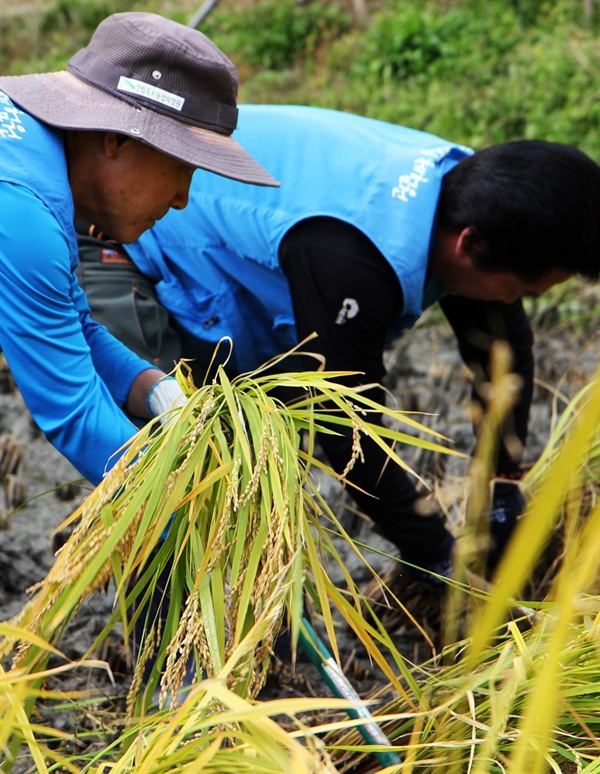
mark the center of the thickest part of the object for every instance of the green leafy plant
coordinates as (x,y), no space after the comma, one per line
(398,45)
(283,31)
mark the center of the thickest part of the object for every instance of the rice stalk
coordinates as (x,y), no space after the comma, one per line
(216,730)
(19,691)
(215,513)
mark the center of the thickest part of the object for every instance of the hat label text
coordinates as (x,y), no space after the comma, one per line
(141,89)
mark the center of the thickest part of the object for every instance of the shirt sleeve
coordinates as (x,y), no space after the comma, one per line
(69,370)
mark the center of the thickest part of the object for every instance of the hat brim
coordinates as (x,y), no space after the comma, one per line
(63,100)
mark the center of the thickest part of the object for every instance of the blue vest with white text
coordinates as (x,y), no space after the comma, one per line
(216,262)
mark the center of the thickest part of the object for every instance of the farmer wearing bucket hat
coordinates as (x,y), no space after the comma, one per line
(114,138)
(373,223)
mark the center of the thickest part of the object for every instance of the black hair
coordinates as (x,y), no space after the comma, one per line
(532,206)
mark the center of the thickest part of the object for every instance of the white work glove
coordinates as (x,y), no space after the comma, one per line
(165,395)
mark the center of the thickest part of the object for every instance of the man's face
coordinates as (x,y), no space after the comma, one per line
(501,285)
(136,185)
(454,269)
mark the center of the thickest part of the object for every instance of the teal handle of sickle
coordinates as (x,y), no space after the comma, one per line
(338,682)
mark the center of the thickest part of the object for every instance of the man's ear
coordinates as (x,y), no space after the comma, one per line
(113,142)
(469,245)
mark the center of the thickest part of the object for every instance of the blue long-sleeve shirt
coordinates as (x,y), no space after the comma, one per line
(73,375)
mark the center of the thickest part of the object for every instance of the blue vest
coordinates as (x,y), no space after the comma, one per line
(216,263)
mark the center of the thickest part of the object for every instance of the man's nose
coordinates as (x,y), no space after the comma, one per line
(180,200)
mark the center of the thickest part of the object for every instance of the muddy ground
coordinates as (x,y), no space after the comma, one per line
(425,374)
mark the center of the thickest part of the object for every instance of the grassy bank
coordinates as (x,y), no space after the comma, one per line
(474,72)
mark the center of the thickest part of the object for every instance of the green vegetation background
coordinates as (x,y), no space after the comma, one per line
(473,71)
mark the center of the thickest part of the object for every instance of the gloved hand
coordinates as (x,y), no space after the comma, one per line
(164,395)
(507,504)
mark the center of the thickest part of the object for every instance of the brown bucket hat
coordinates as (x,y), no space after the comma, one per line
(153,79)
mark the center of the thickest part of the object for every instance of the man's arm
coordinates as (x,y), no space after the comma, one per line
(345,290)
(476,325)
(45,345)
